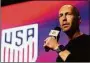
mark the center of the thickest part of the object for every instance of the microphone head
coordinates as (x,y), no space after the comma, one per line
(57,28)
(55,33)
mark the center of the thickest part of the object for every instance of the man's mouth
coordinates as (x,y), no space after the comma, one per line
(65,25)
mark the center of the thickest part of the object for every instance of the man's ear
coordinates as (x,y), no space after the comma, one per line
(79,19)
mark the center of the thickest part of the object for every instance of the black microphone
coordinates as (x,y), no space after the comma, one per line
(54,33)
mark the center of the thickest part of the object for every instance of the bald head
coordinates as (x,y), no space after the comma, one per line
(70,7)
(69,17)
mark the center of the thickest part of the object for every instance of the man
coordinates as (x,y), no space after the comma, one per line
(78,47)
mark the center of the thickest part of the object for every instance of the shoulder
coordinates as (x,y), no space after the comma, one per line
(84,37)
(81,40)
(79,43)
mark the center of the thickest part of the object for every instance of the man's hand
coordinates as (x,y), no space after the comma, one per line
(51,42)
(64,54)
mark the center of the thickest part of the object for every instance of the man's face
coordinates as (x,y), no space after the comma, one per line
(67,18)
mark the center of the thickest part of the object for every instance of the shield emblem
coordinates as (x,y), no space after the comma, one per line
(20,44)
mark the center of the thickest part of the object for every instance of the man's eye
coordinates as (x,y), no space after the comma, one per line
(69,14)
(60,15)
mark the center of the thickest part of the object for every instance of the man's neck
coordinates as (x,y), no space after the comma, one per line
(72,35)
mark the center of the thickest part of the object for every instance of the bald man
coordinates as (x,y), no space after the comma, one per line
(78,47)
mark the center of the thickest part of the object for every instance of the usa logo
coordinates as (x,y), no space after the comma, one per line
(20,44)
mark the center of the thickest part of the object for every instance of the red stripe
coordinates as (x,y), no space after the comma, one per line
(23,55)
(9,55)
(13,55)
(18,56)
(28,53)
(4,54)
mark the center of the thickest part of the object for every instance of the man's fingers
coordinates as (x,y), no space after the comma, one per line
(46,41)
(46,38)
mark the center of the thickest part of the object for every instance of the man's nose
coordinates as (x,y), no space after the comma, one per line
(64,18)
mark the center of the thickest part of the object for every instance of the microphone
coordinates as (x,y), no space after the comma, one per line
(54,33)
